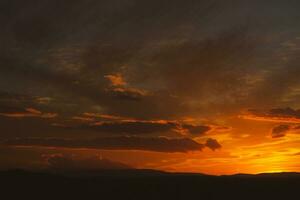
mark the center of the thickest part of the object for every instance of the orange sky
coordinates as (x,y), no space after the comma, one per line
(247,147)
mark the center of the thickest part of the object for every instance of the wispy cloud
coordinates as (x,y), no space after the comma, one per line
(29,112)
(284,115)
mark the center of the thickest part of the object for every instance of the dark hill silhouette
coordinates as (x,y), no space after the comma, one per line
(146,185)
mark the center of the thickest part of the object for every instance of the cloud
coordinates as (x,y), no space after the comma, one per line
(29,112)
(106,117)
(280,131)
(128,93)
(72,163)
(287,112)
(131,127)
(116,80)
(281,84)
(14,102)
(165,126)
(120,89)
(212,144)
(284,115)
(195,129)
(120,125)
(162,52)
(77,66)
(158,144)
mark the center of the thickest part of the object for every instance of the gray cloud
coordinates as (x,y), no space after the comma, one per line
(162,49)
(128,93)
(288,115)
(159,144)
(212,144)
(196,130)
(136,127)
(285,112)
(280,131)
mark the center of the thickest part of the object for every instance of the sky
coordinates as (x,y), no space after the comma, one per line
(206,86)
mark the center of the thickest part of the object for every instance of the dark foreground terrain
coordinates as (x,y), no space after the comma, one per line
(146,184)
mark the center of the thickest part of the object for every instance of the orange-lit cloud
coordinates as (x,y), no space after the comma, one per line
(116,80)
(104,116)
(120,89)
(130,91)
(29,112)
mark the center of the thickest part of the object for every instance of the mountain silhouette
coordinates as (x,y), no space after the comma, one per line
(146,185)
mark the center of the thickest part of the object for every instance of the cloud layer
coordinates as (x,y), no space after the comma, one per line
(159,144)
(70,163)
(284,115)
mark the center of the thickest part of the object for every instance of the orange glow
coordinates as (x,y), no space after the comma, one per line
(247,147)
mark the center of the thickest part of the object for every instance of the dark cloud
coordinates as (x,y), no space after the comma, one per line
(287,115)
(280,86)
(280,131)
(135,127)
(212,144)
(196,130)
(29,112)
(138,127)
(285,112)
(204,50)
(159,144)
(72,163)
(128,93)
(88,123)
(33,125)
(13,102)
(152,39)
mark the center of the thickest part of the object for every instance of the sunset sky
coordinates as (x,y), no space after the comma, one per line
(207,86)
